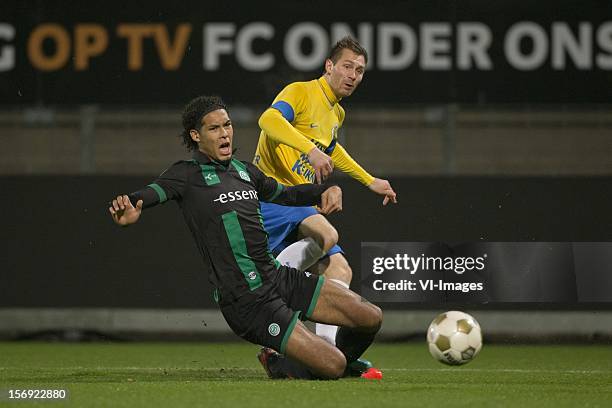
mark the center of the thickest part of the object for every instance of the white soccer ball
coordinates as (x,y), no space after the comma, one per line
(454,338)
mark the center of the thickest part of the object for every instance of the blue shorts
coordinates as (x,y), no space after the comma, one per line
(282,222)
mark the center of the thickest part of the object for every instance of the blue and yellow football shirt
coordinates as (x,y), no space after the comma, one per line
(304,115)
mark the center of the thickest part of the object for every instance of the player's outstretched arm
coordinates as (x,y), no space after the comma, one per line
(310,194)
(123,212)
(326,196)
(383,187)
(348,165)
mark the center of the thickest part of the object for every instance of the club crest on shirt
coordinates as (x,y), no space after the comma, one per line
(244,175)
(274,329)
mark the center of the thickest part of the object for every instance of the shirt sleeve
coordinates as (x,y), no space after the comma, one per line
(277,121)
(170,185)
(301,195)
(348,165)
(267,187)
(270,190)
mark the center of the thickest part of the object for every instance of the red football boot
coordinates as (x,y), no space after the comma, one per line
(372,374)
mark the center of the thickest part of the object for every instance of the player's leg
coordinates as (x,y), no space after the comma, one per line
(304,355)
(281,223)
(320,236)
(334,267)
(305,254)
(322,359)
(331,303)
(317,227)
(329,267)
(359,320)
(343,307)
(289,224)
(267,319)
(325,235)
(301,255)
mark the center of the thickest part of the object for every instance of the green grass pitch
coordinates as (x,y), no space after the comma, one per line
(229,375)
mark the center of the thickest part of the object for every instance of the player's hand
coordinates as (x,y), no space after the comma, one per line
(321,163)
(123,212)
(383,187)
(331,200)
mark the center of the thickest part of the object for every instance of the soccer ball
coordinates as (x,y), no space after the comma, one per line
(454,338)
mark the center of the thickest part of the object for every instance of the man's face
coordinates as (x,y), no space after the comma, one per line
(346,74)
(215,137)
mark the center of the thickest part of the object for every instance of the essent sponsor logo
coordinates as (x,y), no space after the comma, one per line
(236,196)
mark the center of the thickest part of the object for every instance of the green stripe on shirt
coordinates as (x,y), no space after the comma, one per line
(272,258)
(239,249)
(279,189)
(160,192)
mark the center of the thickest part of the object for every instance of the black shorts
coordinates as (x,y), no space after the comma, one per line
(268,318)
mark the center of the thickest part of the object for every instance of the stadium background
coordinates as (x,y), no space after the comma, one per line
(509,144)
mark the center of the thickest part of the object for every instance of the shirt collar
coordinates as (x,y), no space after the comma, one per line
(203,158)
(327,91)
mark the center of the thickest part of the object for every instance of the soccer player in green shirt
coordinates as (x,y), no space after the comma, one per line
(262,301)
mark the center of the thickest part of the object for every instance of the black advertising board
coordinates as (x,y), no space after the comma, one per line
(157,53)
(487,242)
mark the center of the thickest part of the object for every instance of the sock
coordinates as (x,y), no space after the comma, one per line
(353,343)
(284,367)
(301,254)
(328,331)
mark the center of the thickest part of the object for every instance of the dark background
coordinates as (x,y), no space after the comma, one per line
(62,249)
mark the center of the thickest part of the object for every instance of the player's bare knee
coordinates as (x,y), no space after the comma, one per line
(335,366)
(345,273)
(318,228)
(331,365)
(338,367)
(329,238)
(378,317)
(372,319)
(339,269)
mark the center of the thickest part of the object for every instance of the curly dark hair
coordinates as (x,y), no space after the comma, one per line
(348,43)
(192,116)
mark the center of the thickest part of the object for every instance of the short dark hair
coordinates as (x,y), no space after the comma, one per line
(348,43)
(192,116)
